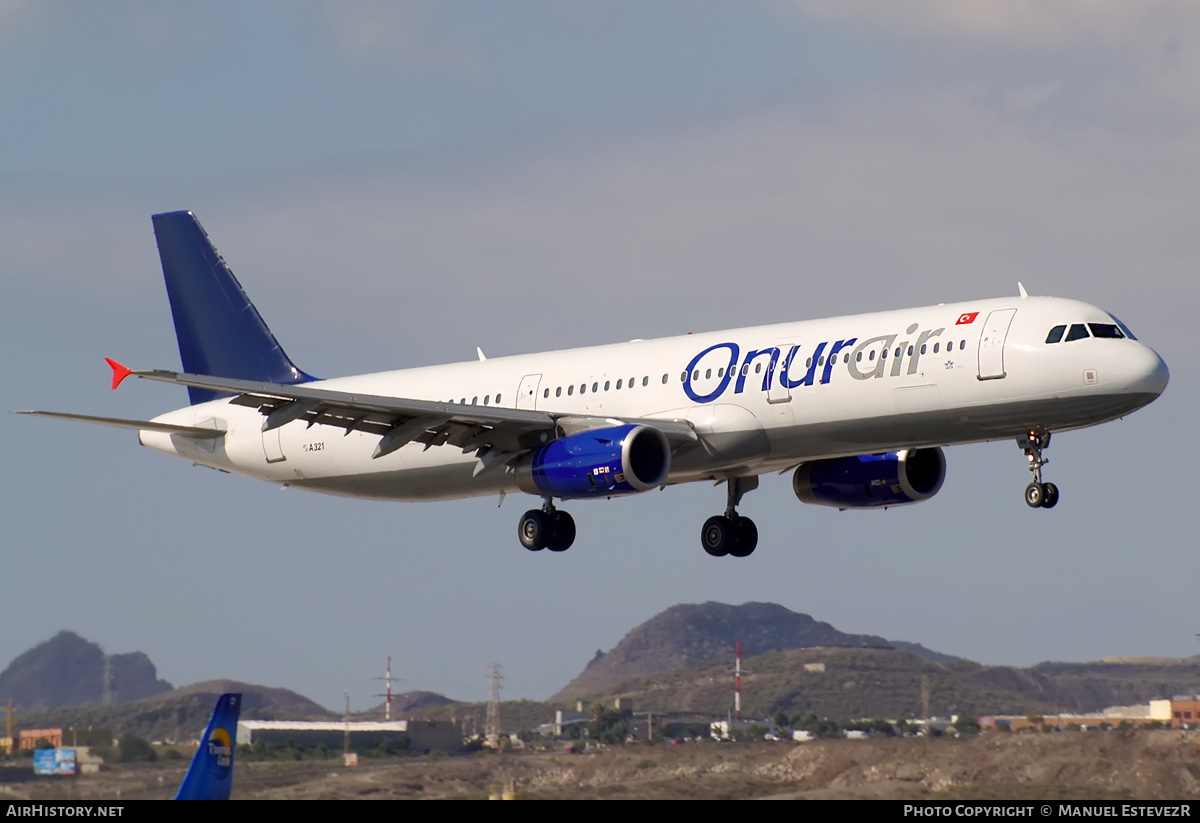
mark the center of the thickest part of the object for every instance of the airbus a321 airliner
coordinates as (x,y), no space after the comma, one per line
(858,408)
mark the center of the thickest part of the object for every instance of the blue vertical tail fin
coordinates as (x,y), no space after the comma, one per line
(210,777)
(220,332)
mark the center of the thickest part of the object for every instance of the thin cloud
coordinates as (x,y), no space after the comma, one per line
(375,29)
(877,203)
(1155,45)
(1017,22)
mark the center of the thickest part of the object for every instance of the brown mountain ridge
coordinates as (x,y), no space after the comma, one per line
(695,634)
(67,670)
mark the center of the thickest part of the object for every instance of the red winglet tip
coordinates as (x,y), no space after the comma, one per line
(119,372)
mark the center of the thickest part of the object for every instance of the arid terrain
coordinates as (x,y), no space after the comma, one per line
(1081,765)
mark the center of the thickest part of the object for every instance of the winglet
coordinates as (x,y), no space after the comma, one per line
(119,372)
(1021,289)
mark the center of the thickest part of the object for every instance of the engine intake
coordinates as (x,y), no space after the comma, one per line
(872,481)
(598,463)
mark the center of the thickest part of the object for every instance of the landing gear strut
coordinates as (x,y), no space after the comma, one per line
(546,528)
(730,533)
(1037,494)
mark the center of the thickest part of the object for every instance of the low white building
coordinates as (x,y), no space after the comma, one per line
(423,735)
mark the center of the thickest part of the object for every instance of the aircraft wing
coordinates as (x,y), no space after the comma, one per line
(401,420)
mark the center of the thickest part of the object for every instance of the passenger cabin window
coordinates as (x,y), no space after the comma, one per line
(1055,334)
(664,380)
(1105,331)
(620,383)
(1077,332)
(546,393)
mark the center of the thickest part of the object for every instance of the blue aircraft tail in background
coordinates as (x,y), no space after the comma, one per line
(210,777)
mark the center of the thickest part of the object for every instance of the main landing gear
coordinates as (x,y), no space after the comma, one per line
(730,533)
(546,528)
(1038,494)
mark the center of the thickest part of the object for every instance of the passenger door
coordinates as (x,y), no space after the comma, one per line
(991,344)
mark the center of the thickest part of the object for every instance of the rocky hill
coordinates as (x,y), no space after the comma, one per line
(848,683)
(405,703)
(67,670)
(181,714)
(60,683)
(694,634)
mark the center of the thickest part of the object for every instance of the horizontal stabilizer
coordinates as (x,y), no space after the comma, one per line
(137,425)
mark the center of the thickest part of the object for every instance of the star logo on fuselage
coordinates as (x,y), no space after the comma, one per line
(949,364)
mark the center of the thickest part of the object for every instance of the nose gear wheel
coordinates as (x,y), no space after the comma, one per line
(1038,495)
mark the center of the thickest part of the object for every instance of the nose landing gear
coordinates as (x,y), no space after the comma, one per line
(546,528)
(1037,494)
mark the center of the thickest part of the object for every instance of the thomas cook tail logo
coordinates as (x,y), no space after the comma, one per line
(220,752)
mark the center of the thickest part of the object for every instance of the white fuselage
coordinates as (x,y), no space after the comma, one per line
(760,399)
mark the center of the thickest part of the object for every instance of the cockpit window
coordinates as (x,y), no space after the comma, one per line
(1077,332)
(1106,331)
(1123,327)
(1055,334)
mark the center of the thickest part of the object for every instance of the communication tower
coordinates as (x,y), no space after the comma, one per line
(491,732)
(387,678)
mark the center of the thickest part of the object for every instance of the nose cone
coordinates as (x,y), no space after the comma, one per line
(1146,372)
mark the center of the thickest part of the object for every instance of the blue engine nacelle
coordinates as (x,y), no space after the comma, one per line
(598,463)
(872,481)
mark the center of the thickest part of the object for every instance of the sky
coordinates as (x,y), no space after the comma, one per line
(397,183)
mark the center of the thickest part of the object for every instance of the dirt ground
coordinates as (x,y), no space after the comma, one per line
(1086,766)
